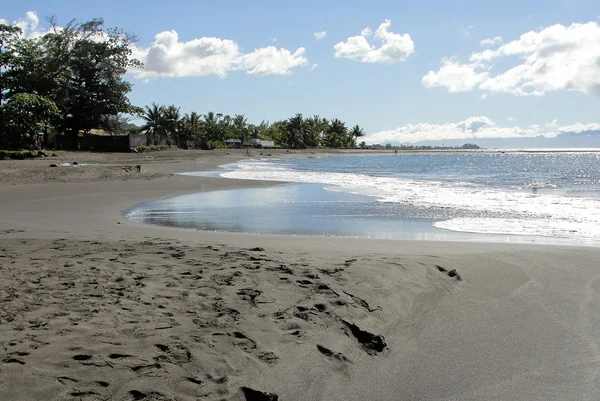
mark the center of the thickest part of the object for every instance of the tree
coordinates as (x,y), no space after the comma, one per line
(8,37)
(240,127)
(213,127)
(93,86)
(293,135)
(336,135)
(155,124)
(315,128)
(119,124)
(25,116)
(355,133)
(172,122)
(191,128)
(275,132)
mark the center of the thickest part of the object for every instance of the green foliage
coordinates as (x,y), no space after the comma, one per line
(218,145)
(71,80)
(337,135)
(209,131)
(79,68)
(294,132)
(23,117)
(315,129)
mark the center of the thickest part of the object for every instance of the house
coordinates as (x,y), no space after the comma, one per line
(259,143)
(233,143)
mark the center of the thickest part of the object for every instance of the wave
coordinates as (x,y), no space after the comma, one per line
(515,212)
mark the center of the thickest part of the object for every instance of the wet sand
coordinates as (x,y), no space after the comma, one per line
(94,307)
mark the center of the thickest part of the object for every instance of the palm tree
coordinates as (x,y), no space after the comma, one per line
(312,134)
(294,131)
(213,127)
(172,118)
(275,132)
(240,127)
(191,127)
(355,133)
(336,135)
(154,117)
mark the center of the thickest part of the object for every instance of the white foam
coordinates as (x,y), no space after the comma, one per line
(527,227)
(530,214)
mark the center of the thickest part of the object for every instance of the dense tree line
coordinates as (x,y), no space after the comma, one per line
(72,80)
(68,80)
(212,129)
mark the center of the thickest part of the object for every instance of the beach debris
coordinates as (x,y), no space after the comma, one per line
(75,163)
(53,165)
(371,343)
(451,273)
(255,395)
(257,249)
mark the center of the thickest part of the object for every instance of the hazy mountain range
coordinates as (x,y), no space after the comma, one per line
(588,139)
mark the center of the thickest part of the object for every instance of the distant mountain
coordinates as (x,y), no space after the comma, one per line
(587,139)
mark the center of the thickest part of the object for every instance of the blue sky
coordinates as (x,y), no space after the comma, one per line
(385,92)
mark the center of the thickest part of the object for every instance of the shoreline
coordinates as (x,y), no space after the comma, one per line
(95,307)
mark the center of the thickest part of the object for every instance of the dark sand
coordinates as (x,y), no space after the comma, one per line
(93,307)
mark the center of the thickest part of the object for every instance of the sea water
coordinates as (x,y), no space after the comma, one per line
(511,196)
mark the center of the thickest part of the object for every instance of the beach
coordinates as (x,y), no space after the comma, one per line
(95,307)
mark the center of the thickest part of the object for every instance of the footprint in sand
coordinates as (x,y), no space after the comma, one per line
(331,354)
(247,345)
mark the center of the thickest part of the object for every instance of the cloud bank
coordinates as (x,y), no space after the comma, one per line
(552,59)
(167,56)
(470,129)
(393,47)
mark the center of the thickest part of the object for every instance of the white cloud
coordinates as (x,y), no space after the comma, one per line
(456,77)
(313,67)
(168,57)
(579,127)
(511,118)
(29,25)
(320,35)
(393,47)
(491,41)
(271,61)
(473,128)
(555,58)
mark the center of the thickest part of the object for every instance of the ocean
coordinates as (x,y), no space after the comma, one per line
(531,197)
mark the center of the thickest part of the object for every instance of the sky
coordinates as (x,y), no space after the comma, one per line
(405,71)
